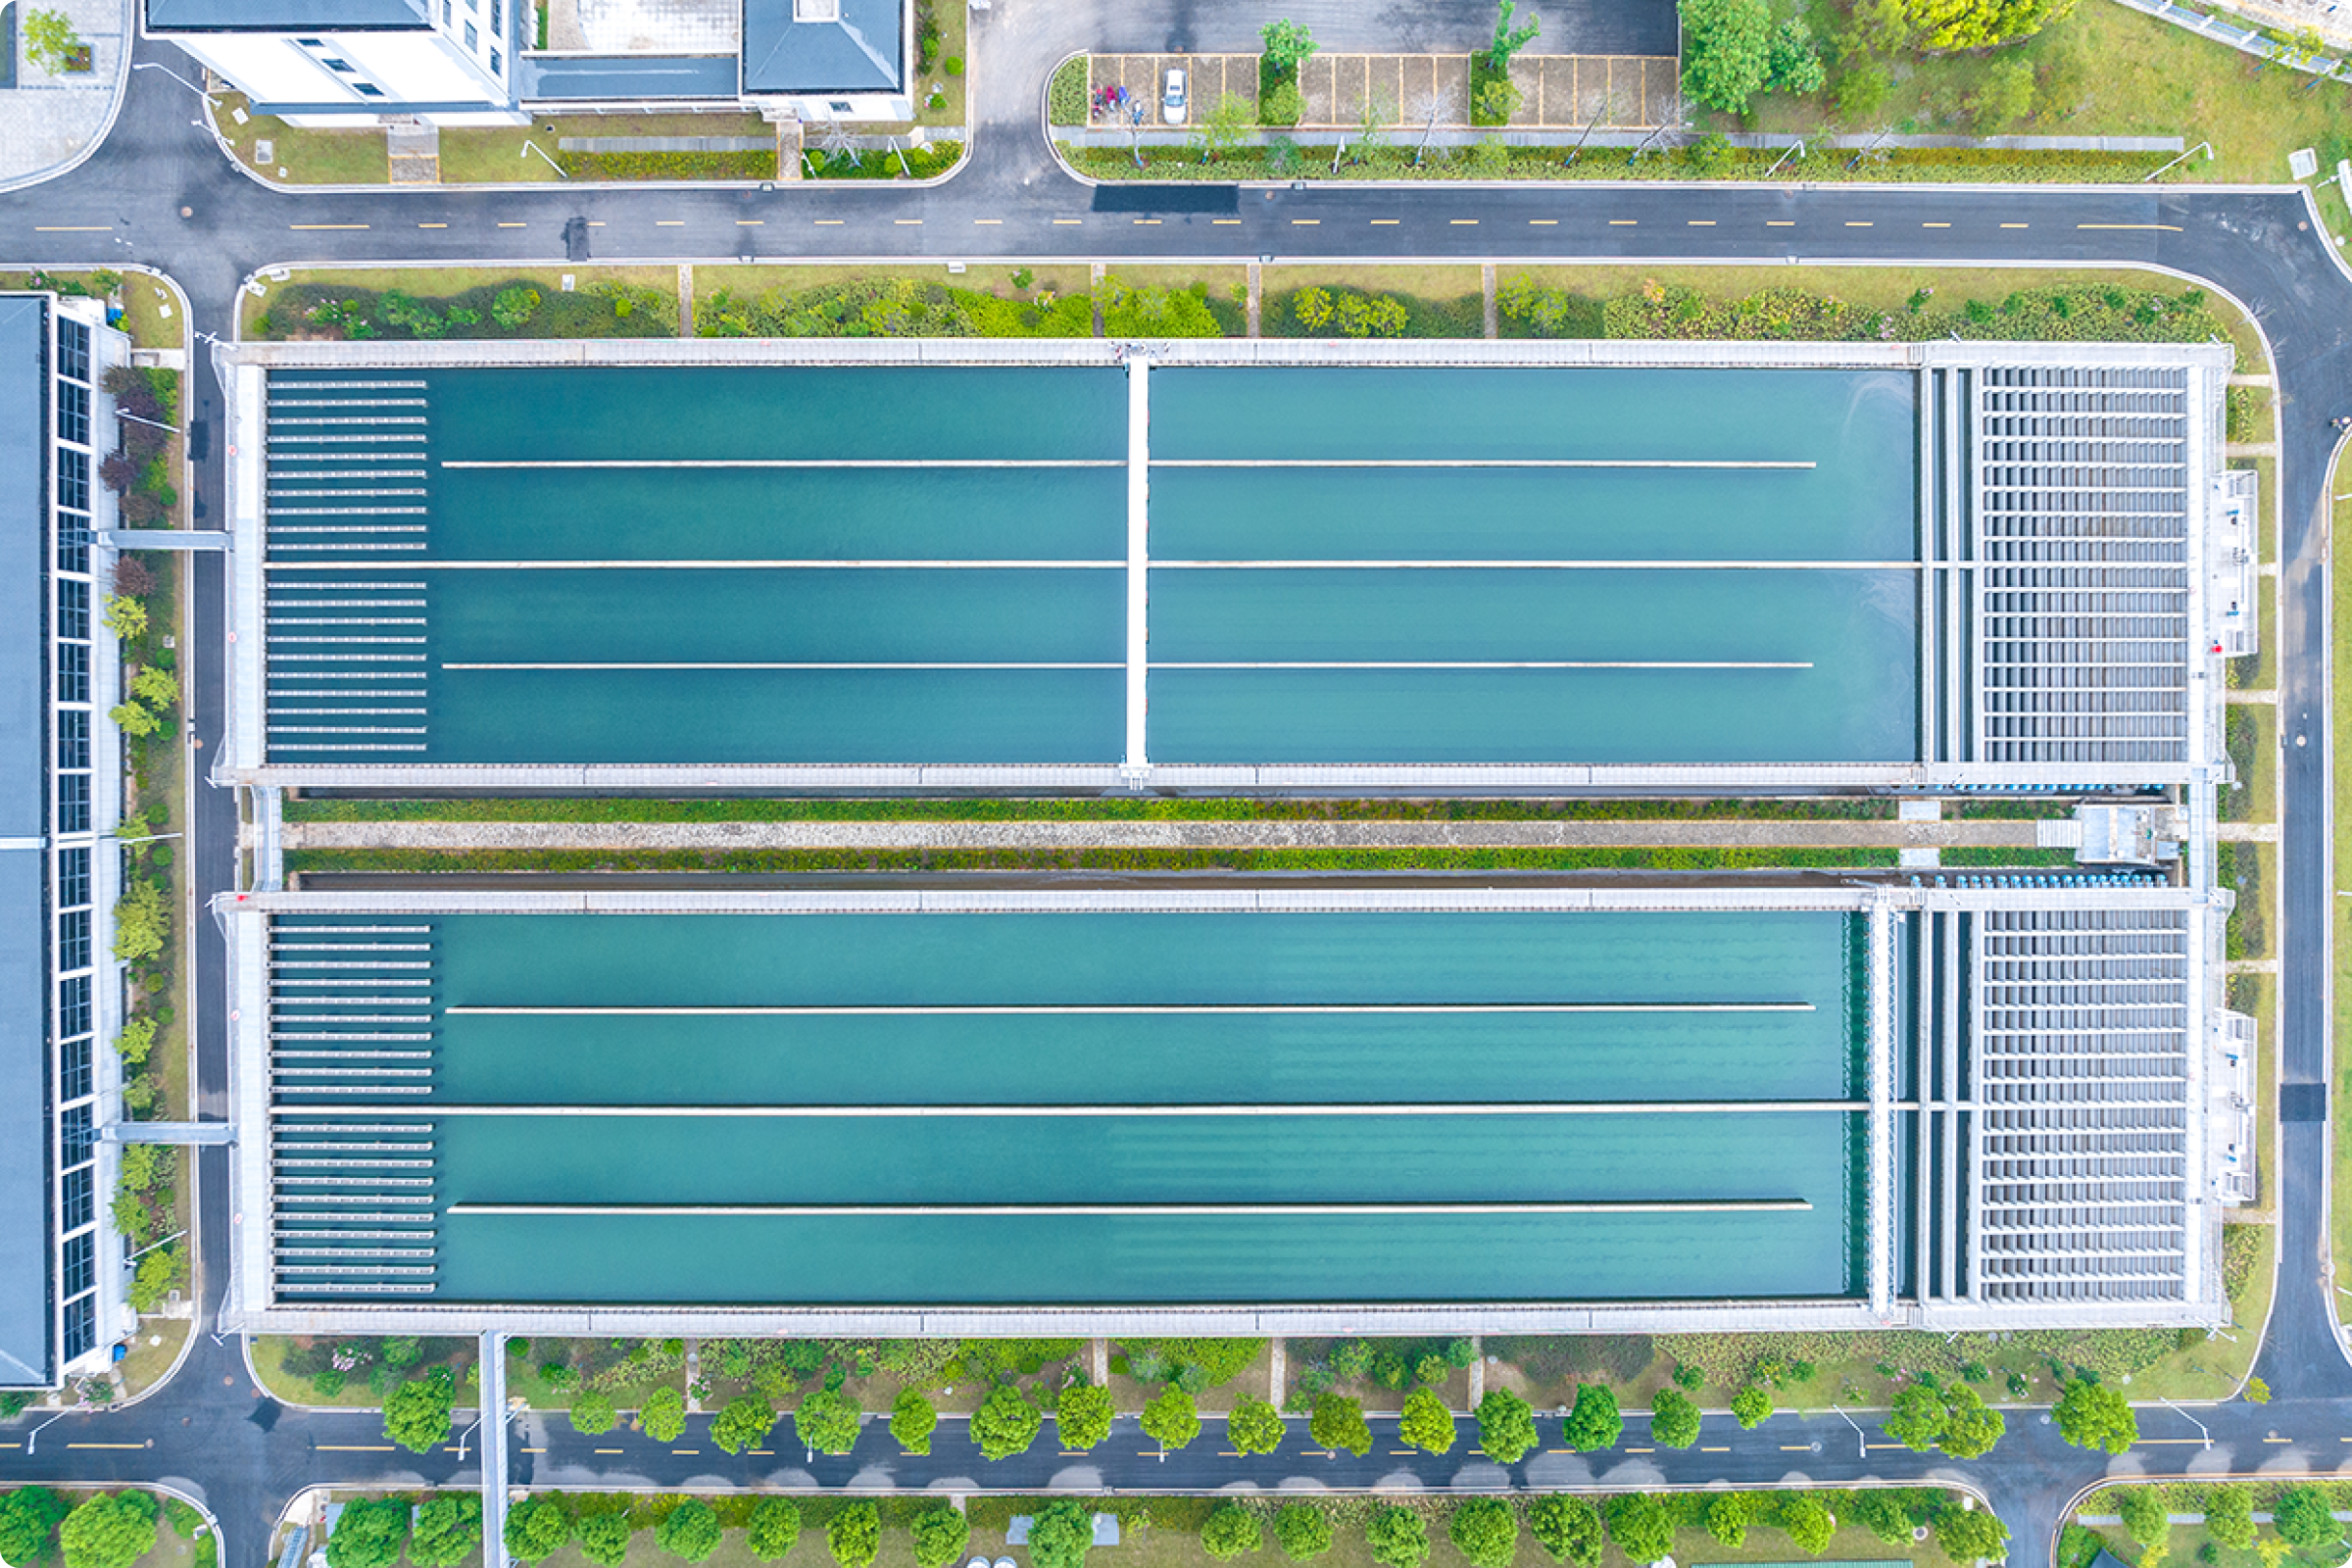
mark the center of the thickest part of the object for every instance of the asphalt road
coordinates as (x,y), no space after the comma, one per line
(158,192)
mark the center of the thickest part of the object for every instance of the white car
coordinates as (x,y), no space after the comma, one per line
(1171,102)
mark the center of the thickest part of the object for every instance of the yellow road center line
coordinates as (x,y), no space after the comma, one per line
(2266,1439)
(72,228)
(1386,223)
(749,222)
(534,1451)
(1781,222)
(1623,223)
(106,1446)
(907,223)
(596,223)
(2159,1441)
(1229,1453)
(607,1451)
(829,223)
(355,1447)
(1700,222)
(432,226)
(987,223)
(1859,222)
(1305,222)
(1544,222)
(1153,221)
(2170,228)
(1222,222)
(1714,1450)
(1463,222)
(1641,1450)
(766,1453)
(1934,225)
(331,225)
(1405,1450)
(1797,1448)
(1066,222)
(2015,226)
(514,225)
(669,222)
(685,1451)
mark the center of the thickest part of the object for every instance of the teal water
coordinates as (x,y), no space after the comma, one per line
(1847,512)
(1855,630)
(798,412)
(783,514)
(1857,419)
(1167,958)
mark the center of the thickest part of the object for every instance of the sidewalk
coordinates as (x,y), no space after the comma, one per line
(1130,834)
(48,121)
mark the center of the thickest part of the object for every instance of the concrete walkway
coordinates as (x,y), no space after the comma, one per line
(1313,834)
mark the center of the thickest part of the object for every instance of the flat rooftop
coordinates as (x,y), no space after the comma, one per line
(1759,1108)
(879,565)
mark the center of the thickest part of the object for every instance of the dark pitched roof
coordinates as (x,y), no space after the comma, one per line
(287,15)
(861,53)
(25,1319)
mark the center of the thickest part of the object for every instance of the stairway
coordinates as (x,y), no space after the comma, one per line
(415,152)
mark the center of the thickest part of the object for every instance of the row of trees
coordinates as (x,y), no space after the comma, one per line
(106,1530)
(691,1530)
(1732,50)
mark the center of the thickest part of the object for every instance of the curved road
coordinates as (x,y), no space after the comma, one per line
(160,193)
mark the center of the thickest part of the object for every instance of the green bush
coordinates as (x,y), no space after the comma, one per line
(1065,95)
(941,1532)
(1485,1531)
(1230,1531)
(1302,1529)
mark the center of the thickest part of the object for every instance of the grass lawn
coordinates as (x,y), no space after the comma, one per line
(153,1352)
(267,1352)
(2109,71)
(307,157)
(495,155)
(1439,282)
(952,45)
(440,283)
(525,1382)
(145,299)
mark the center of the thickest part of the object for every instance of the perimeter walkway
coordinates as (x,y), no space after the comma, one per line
(1152,835)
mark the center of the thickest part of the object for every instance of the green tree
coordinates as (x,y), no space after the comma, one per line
(1809,1521)
(1061,1533)
(1507,1426)
(854,1535)
(1223,127)
(1751,1406)
(155,686)
(1425,1423)
(605,1538)
(1229,1531)
(1509,40)
(1916,1420)
(1726,52)
(1568,1528)
(1640,1526)
(1979,24)
(1255,1425)
(536,1529)
(1674,1419)
(367,1534)
(2145,1515)
(157,1275)
(1971,1427)
(50,40)
(125,616)
(1968,1534)
(1497,102)
(592,1412)
(1006,1424)
(1082,1420)
(417,1413)
(775,1528)
(29,1520)
(1485,1531)
(691,1531)
(664,1415)
(1727,1520)
(133,719)
(2230,1517)
(1172,1420)
(1281,104)
(941,1533)
(2092,1415)
(1399,1537)
(828,1422)
(911,1418)
(1302,1529)
(1287,46)
(1795,65)
(2004,94)
(2301,1518)
(743,1423)
(142,922)
(449,1528)
(1595,1423)
(515,306)
(1338,1422)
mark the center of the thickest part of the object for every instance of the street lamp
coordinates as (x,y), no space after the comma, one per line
(1861,1438)
(2202,1430)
